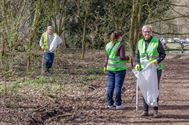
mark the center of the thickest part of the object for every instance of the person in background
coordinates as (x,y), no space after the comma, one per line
(115,66)
(164,43)
(149,48)
(45,43)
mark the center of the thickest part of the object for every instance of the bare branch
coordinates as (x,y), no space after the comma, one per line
(177,5)
(172,18)
(170,33)
(177,12)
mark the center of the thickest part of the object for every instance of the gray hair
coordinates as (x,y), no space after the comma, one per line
(50,27)
(147,26)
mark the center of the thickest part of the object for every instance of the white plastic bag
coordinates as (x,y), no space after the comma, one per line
(56,41)
(148,83)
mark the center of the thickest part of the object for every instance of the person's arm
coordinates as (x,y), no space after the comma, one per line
(41,42)
(105,60)
(121,51)
(161,52)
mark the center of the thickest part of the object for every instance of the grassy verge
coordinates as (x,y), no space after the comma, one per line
(52,85)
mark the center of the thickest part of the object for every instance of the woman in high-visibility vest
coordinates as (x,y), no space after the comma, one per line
(115,64)
(149,49)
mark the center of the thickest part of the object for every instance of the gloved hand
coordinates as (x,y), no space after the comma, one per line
(137,67)
(105,70)
(154,62)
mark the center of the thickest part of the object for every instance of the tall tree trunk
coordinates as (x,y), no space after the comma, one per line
(65,41)
(5,44)
(137,24)
(33,30)
(83,37)
(134,29)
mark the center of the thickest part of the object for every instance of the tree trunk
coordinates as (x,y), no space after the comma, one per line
(83,37)
(65,41)
(134,29)
(33,30)
(137,24)
(4,36)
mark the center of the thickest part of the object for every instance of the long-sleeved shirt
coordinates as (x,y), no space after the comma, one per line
(160,50)
(120,53)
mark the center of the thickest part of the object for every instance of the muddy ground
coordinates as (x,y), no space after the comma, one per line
(76,94)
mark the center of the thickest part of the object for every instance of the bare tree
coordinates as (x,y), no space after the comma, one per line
(83,16)
(58,15)
(13,16)
(33,29)
(134,28)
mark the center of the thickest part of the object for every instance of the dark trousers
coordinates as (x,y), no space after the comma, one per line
(144,102)
(49,58)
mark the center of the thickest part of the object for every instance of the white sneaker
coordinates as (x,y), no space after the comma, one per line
(120,107)
(111,106)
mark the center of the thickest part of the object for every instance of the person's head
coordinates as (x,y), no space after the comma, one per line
(116,36)
(112,36)
(147,31)
(50,30)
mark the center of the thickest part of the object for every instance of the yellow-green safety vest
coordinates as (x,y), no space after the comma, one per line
(149,54)
(45,41)
(114,62)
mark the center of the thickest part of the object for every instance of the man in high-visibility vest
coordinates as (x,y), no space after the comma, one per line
(45,43)
(149,49)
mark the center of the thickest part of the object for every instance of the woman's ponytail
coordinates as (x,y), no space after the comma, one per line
(113,37)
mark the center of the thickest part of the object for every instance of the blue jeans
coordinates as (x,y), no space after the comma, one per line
(144,102)
(115,81)
(49,58)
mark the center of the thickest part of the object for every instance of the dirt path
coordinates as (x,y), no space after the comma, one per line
(174,97)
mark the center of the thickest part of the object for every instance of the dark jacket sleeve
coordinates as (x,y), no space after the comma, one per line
(105,59)
(161,52)
(121,53)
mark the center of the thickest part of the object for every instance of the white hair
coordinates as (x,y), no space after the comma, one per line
(147,26)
